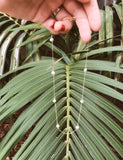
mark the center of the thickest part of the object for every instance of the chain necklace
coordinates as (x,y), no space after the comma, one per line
(77,127)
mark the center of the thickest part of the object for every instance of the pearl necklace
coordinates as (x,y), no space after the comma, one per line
(77,127)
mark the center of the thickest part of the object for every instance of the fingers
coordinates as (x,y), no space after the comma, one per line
(84,30)
(87,16)
(42,13)
(49,24)
(44,10)
(59,25)
(54,4)
(54,25)
(93,14)
(76,10)
(63,26)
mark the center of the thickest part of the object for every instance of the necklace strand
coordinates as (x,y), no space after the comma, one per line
(77,127)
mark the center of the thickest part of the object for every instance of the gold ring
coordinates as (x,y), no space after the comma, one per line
(57,11)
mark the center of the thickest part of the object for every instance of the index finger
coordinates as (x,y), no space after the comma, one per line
(93,13)
(77,11)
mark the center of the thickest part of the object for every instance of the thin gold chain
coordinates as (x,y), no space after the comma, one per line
(54,91)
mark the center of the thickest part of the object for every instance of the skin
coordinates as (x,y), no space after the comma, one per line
(85,13)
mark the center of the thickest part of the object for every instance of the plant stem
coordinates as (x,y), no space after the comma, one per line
(68,112)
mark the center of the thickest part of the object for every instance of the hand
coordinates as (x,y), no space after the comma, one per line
(85,13)
(38,11)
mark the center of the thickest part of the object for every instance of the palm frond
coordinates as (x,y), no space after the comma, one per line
(100,134)
(96,121)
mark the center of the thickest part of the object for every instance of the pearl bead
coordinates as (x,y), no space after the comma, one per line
(85,69)
(81,101)
(77,127)
(57,126)
(54,100)
(51,39)
(114,1)
(53,72)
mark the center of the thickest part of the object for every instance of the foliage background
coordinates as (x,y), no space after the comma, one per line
(26,87)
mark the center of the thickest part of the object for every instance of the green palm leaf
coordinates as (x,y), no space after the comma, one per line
(97,128)
(99,136)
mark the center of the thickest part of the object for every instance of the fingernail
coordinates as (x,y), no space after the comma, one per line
(63,27)
(52,25)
